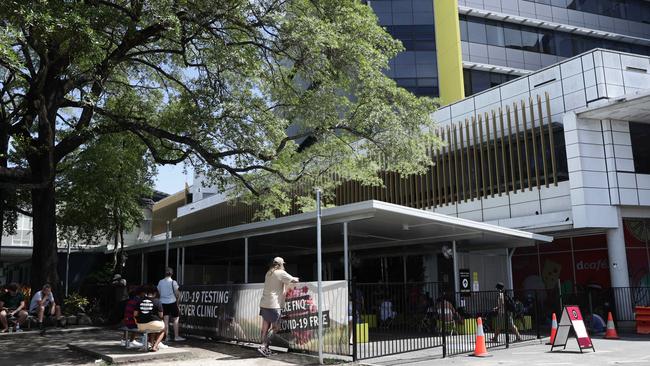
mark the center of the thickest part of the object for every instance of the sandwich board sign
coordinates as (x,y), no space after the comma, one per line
(572,319)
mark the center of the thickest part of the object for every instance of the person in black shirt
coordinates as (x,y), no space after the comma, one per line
(149,314)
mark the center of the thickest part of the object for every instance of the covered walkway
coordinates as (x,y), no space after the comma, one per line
(368,228)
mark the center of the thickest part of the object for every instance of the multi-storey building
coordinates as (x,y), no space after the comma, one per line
(498,40)
(552,139)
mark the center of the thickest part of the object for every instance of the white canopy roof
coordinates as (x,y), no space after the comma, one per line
(371,224)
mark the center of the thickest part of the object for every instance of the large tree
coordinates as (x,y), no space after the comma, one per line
(259,94)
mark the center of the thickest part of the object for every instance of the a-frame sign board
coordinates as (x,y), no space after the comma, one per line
(572,319)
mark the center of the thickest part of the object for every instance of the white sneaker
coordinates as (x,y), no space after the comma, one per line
(135,344)
(123,342)
(179,339)
(161,345)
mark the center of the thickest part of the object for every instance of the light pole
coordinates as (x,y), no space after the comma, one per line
(319,261)
(167,245)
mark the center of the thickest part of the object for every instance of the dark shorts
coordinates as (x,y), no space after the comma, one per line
(47,312)
(170,310)
(270,315)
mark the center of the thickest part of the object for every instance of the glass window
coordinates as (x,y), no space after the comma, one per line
(480,81)
(494,33)
(547,41)
(406,82)
(530,39)
(467,81)
(640,135)
(512,36)
(476,30)
(563,44)
(427,82)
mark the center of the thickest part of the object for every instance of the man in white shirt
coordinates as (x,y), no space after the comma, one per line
(168,290)
(43,303)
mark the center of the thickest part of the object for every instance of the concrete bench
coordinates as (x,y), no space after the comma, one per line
(144,335)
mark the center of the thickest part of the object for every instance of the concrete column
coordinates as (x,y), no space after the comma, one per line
(618,272)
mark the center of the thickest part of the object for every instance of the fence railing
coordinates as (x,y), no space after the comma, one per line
(393,318)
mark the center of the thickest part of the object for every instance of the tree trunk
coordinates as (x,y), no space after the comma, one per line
(44,253)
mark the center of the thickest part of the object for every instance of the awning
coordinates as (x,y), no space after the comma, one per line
(631,107)
(372,224)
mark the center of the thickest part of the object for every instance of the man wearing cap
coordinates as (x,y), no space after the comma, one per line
(272,300)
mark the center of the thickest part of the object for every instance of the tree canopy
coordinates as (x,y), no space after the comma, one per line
(102,188)
(257,94)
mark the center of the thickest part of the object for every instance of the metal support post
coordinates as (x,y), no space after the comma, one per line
(67,270)
(246,260)
(346,258)
(178,263)
(183,267)
(167,246)
(455,260)
(319,260)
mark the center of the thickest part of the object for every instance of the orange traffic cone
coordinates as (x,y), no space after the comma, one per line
(611,329)
(479,349)
(553,329)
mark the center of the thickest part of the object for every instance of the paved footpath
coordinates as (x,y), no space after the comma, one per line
(629,351)
(52,350)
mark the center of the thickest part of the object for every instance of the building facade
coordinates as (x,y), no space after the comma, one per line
(502,39)
(538,145)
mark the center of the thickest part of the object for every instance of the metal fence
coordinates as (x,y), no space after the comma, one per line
(393,318)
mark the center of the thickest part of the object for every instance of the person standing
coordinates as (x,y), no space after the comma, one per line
(169,294)
(272,300)
(120,297)
(504,312)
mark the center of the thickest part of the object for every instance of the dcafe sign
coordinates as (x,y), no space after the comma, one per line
(572,319)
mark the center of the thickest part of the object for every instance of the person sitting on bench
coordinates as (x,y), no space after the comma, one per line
(129,319)
(12,304)
(148,315)
(43,304)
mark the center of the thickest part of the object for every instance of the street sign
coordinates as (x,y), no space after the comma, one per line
(572,319)
(465,286)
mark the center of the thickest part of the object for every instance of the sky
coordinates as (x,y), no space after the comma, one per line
(172,178)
